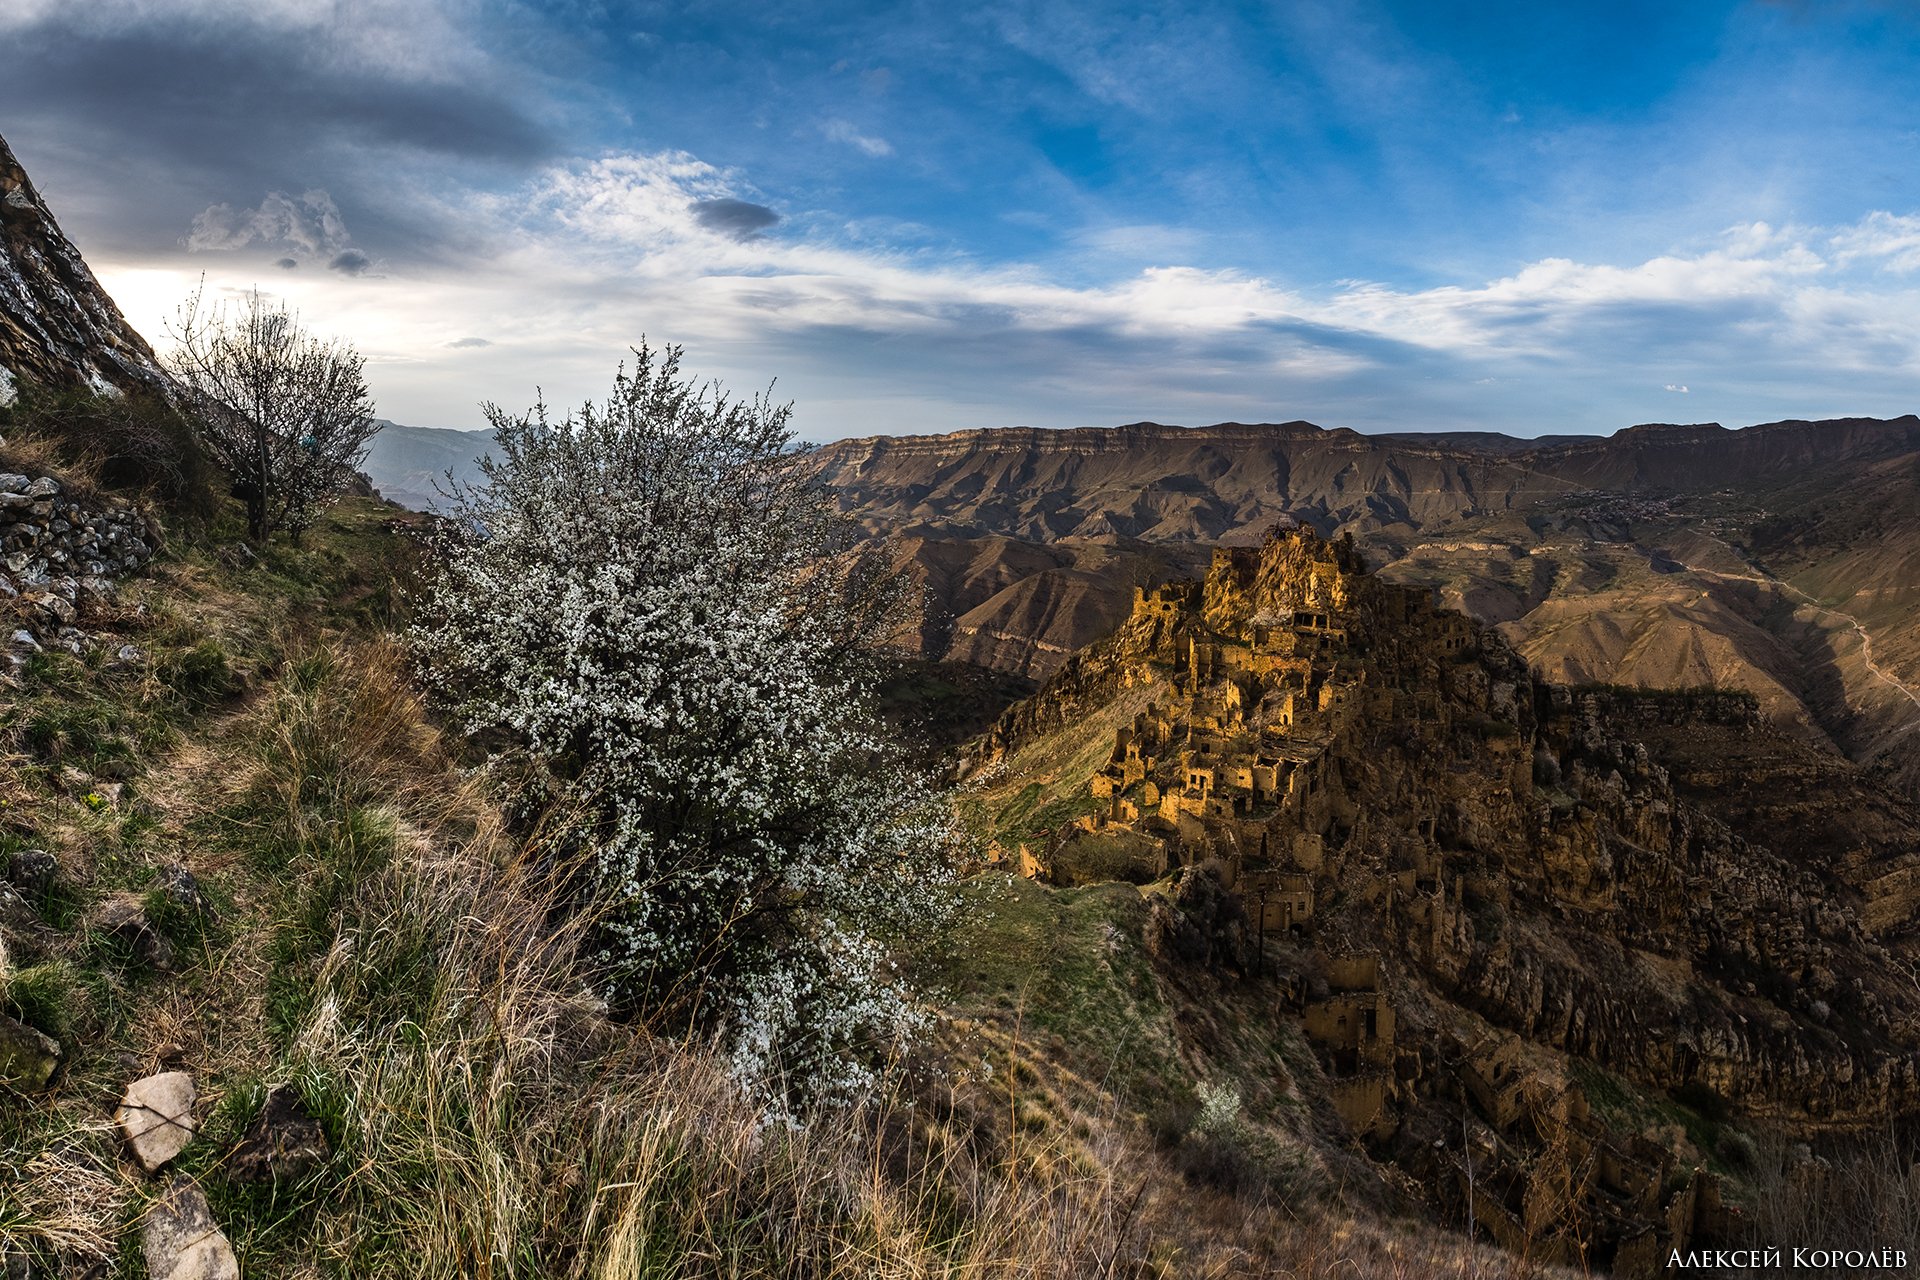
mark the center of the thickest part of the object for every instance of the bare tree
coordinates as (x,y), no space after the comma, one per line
(286,414)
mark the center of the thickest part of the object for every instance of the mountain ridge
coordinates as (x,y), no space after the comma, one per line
(1663,552)
(58,327)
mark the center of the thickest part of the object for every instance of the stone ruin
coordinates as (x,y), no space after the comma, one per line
(58,553)
(1363,771)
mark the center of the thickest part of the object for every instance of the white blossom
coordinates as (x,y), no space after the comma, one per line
(654,599)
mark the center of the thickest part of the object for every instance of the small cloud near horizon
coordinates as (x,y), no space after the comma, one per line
(350,262)
(459,343)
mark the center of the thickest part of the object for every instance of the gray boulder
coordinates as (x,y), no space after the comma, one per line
(181,1240)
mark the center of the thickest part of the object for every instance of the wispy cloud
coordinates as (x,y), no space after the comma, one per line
(837,130)
(1889,241)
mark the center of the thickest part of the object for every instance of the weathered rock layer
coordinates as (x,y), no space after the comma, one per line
(1486,891)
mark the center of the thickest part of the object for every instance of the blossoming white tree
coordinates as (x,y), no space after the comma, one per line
(653,596)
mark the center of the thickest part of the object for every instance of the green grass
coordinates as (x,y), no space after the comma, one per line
(1072,964)
(1700,1113)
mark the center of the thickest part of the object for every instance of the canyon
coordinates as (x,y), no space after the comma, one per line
(1777,559)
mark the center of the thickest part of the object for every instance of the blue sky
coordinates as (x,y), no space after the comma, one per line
(1528,218)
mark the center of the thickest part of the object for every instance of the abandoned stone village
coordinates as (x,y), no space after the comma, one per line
(1477,902)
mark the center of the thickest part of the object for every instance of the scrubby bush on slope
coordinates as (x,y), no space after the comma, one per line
(650,597)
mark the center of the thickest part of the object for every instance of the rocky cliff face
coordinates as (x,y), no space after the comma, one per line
(1774,559)
(1225,482)
(1497,906)
(57,326)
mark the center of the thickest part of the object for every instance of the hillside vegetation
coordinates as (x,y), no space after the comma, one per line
(272,870)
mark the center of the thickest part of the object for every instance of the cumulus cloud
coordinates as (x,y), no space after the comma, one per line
(844,131)
(310,224)
(461,344)
(1678,387)
(741,219)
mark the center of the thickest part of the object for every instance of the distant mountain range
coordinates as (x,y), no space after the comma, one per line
(1782,558)
(410,465)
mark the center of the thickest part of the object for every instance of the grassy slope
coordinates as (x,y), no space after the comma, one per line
(376,942)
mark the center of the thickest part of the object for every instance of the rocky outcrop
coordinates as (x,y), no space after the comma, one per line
(1494,888)
(58,328)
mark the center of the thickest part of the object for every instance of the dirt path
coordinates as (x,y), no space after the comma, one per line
(1866,637)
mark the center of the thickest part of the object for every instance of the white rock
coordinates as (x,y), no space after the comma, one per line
(157,1117)
(181,1240)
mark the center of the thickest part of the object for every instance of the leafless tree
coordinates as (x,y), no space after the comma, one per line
(286,414)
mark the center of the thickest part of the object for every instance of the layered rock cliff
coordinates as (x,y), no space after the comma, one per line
(1496,905)
(58,327)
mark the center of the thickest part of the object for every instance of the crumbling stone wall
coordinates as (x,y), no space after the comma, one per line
(57,550)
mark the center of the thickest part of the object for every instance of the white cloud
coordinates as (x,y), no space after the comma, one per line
(310,224)
(1678,387)
(844,131)
(1893,241)
(597,252)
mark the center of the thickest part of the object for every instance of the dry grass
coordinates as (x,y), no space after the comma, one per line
(504,1127)
(1864,1194)
(33,453)
(388,949)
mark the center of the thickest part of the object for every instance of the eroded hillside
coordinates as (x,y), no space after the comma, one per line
(1518,922)
(1770,559)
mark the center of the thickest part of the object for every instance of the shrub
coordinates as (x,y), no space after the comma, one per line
(1219,1109)
(127,443)
(655,601)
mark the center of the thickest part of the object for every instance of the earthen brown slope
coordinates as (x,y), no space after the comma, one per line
(1661,555)
(1501,909)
